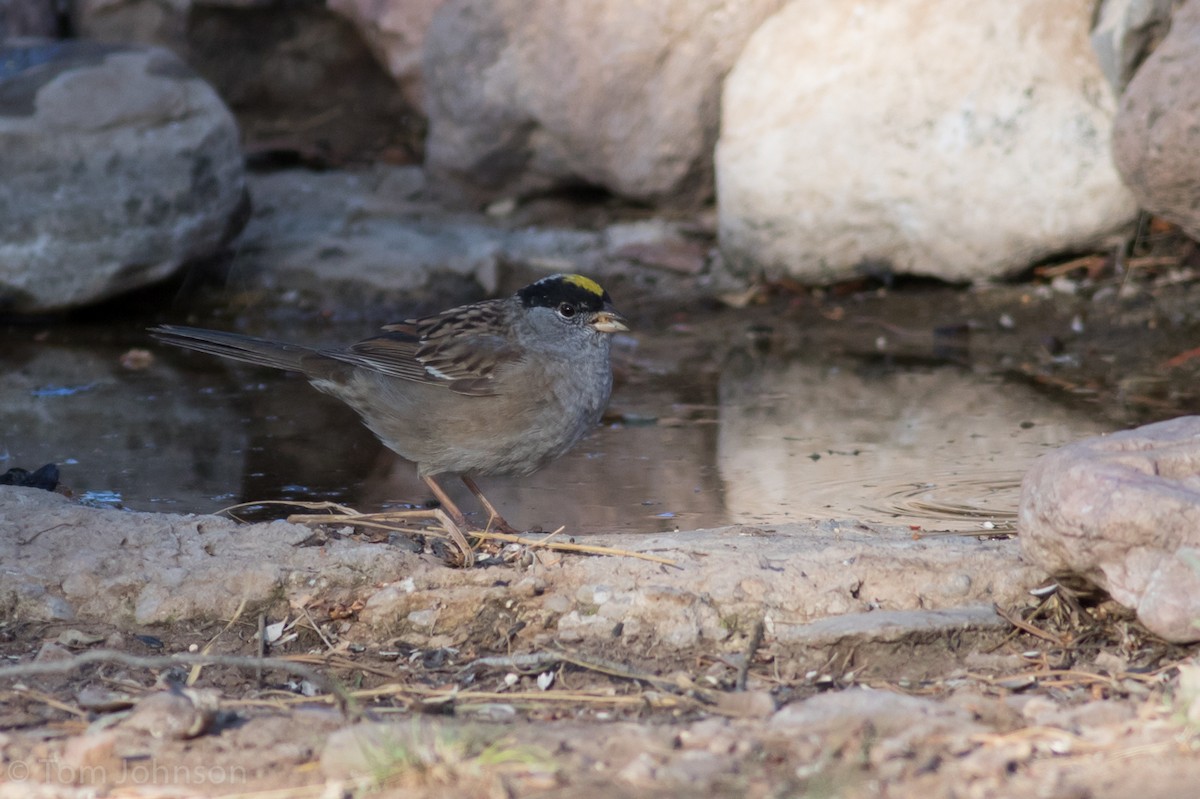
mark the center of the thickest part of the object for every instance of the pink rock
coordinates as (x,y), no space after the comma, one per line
(1155,147)
(1123,511)
(394,30)
(529,95)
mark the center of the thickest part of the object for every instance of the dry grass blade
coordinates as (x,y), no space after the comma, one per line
(46,699)
(1036,734)
(334,661)
(339,694)
(1092,263)
(1001,529)
(288,503)
(1052,677)
(665,694)
(531,697)
(586,549)
(346,514)
(394,521)
(428,697)
(1025,626)
(197,668)
(621,672)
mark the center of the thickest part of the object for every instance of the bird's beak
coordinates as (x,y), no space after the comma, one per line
(609,322)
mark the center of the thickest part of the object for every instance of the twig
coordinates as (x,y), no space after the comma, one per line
(1064,677)
(531,663)
(313,623)
(194,675)
(620,671)
(336,661)
(344,700)
(429,696)
(1006,528)
(537,661)
(25,541)
(756,637)
(260,643)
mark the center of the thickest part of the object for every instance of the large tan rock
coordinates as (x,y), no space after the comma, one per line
(1154,135)
(528,95)
(1123,511)
(394,30)
(954,140)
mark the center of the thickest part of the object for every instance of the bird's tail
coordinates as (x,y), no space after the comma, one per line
(260,351)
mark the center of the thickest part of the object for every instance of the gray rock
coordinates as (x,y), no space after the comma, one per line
(176,713)
(954,141)
(904,731)
(145,568)
(372,237)
(890,714)
(28,18)
(162,24)
(118,164)
(35,601)
(1123,511)
(529,95)
(364,232)
(1126,30)
(887,625)
(1155,146)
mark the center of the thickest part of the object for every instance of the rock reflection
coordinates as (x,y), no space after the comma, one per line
(643,478)
(938,447)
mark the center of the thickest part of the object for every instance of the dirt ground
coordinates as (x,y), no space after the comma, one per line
(1072,701)
(1063,694)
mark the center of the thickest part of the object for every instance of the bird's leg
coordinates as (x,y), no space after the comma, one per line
(447,504)
(495,520)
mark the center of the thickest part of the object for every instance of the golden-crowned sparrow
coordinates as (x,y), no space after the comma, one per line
(496,387)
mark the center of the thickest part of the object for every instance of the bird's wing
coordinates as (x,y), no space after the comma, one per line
(461,349)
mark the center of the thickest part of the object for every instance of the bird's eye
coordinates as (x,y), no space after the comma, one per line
(566,310)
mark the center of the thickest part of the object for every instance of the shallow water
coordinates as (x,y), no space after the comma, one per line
(744,439)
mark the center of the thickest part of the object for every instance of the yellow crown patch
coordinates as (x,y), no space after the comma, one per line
(585,283)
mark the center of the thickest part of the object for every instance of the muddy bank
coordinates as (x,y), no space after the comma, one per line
(706,588)
(834,658)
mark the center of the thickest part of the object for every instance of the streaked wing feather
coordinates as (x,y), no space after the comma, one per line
(388,354)
(459,349)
